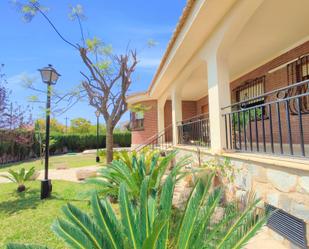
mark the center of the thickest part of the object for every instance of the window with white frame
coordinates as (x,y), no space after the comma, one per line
(137,120)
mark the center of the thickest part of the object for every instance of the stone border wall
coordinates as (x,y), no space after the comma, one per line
(281,187)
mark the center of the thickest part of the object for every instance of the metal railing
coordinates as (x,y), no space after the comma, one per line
(194,131)
(161,141)
(276,126)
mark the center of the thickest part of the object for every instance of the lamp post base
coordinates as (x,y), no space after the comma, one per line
(46,189)
(97,159)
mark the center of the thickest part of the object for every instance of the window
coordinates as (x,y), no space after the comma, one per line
(137,120)
(249,90)
(305,69)
(139,115)
(298,71)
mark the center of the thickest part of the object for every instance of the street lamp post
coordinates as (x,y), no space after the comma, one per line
(49,77)
(97,159)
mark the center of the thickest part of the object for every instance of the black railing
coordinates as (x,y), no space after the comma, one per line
(277,126)
(160,141)
(194,131)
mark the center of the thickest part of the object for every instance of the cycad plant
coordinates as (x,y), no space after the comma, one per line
(20,177)
(131,170)
(126,156)
(149,224)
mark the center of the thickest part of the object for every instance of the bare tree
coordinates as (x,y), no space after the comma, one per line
(109,75)
(107,90)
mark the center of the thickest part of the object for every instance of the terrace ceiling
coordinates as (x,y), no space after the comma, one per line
(274,28)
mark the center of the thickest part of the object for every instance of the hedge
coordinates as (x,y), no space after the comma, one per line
(78,143)
(11,151)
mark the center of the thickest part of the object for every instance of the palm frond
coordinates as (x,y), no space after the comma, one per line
(239,222)
(71,235)
(85,224)
(204,218)
(29,174)
(12,179)
(151,241)
(247,231)
(144,223)
(108,225)
(190,216)
(20,246)
(127,216)
(165,206)
(152,208)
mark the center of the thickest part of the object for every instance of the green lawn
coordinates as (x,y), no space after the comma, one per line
(25,218)
(71,160)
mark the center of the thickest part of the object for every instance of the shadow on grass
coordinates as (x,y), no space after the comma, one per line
(58,197)
(22,201)
(30,199)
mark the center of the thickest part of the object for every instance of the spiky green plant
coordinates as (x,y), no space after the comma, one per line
(132,169)
(148,224)
(20,177)
(126,156)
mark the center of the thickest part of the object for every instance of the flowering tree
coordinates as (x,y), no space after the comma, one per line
(15,124)
(12,116)
(108,76)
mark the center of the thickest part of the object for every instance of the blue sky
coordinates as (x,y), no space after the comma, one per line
(25,47)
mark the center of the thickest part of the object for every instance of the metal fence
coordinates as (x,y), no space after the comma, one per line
(277,126)
(194,131)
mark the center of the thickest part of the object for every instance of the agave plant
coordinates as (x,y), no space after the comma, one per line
(148,225)
(132,169)
(20,177)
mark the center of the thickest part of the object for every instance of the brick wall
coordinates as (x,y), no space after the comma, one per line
(279,76)
(202,105)
(167,113)
(150,124)
(188,109)
(274,80)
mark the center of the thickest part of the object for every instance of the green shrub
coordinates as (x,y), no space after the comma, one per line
(20,177)
(11,150)
(148,225)
(132,168)
(16,145)
(81,142)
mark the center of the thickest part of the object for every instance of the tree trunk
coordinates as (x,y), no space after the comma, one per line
(21,188)
(109,143)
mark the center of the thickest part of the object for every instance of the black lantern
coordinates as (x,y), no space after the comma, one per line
(97,113)
(49,76)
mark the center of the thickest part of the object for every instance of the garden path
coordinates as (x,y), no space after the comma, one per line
(59,174)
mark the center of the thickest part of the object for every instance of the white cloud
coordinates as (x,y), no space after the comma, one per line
(149,62)
(16,82)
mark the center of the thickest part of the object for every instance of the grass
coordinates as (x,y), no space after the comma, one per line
(24,218)
(69,160)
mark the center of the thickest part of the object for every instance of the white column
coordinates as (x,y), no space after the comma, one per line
(218,96)
(176,112)
(161,103)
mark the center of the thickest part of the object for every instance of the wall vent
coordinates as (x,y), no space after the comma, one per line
(288,226)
